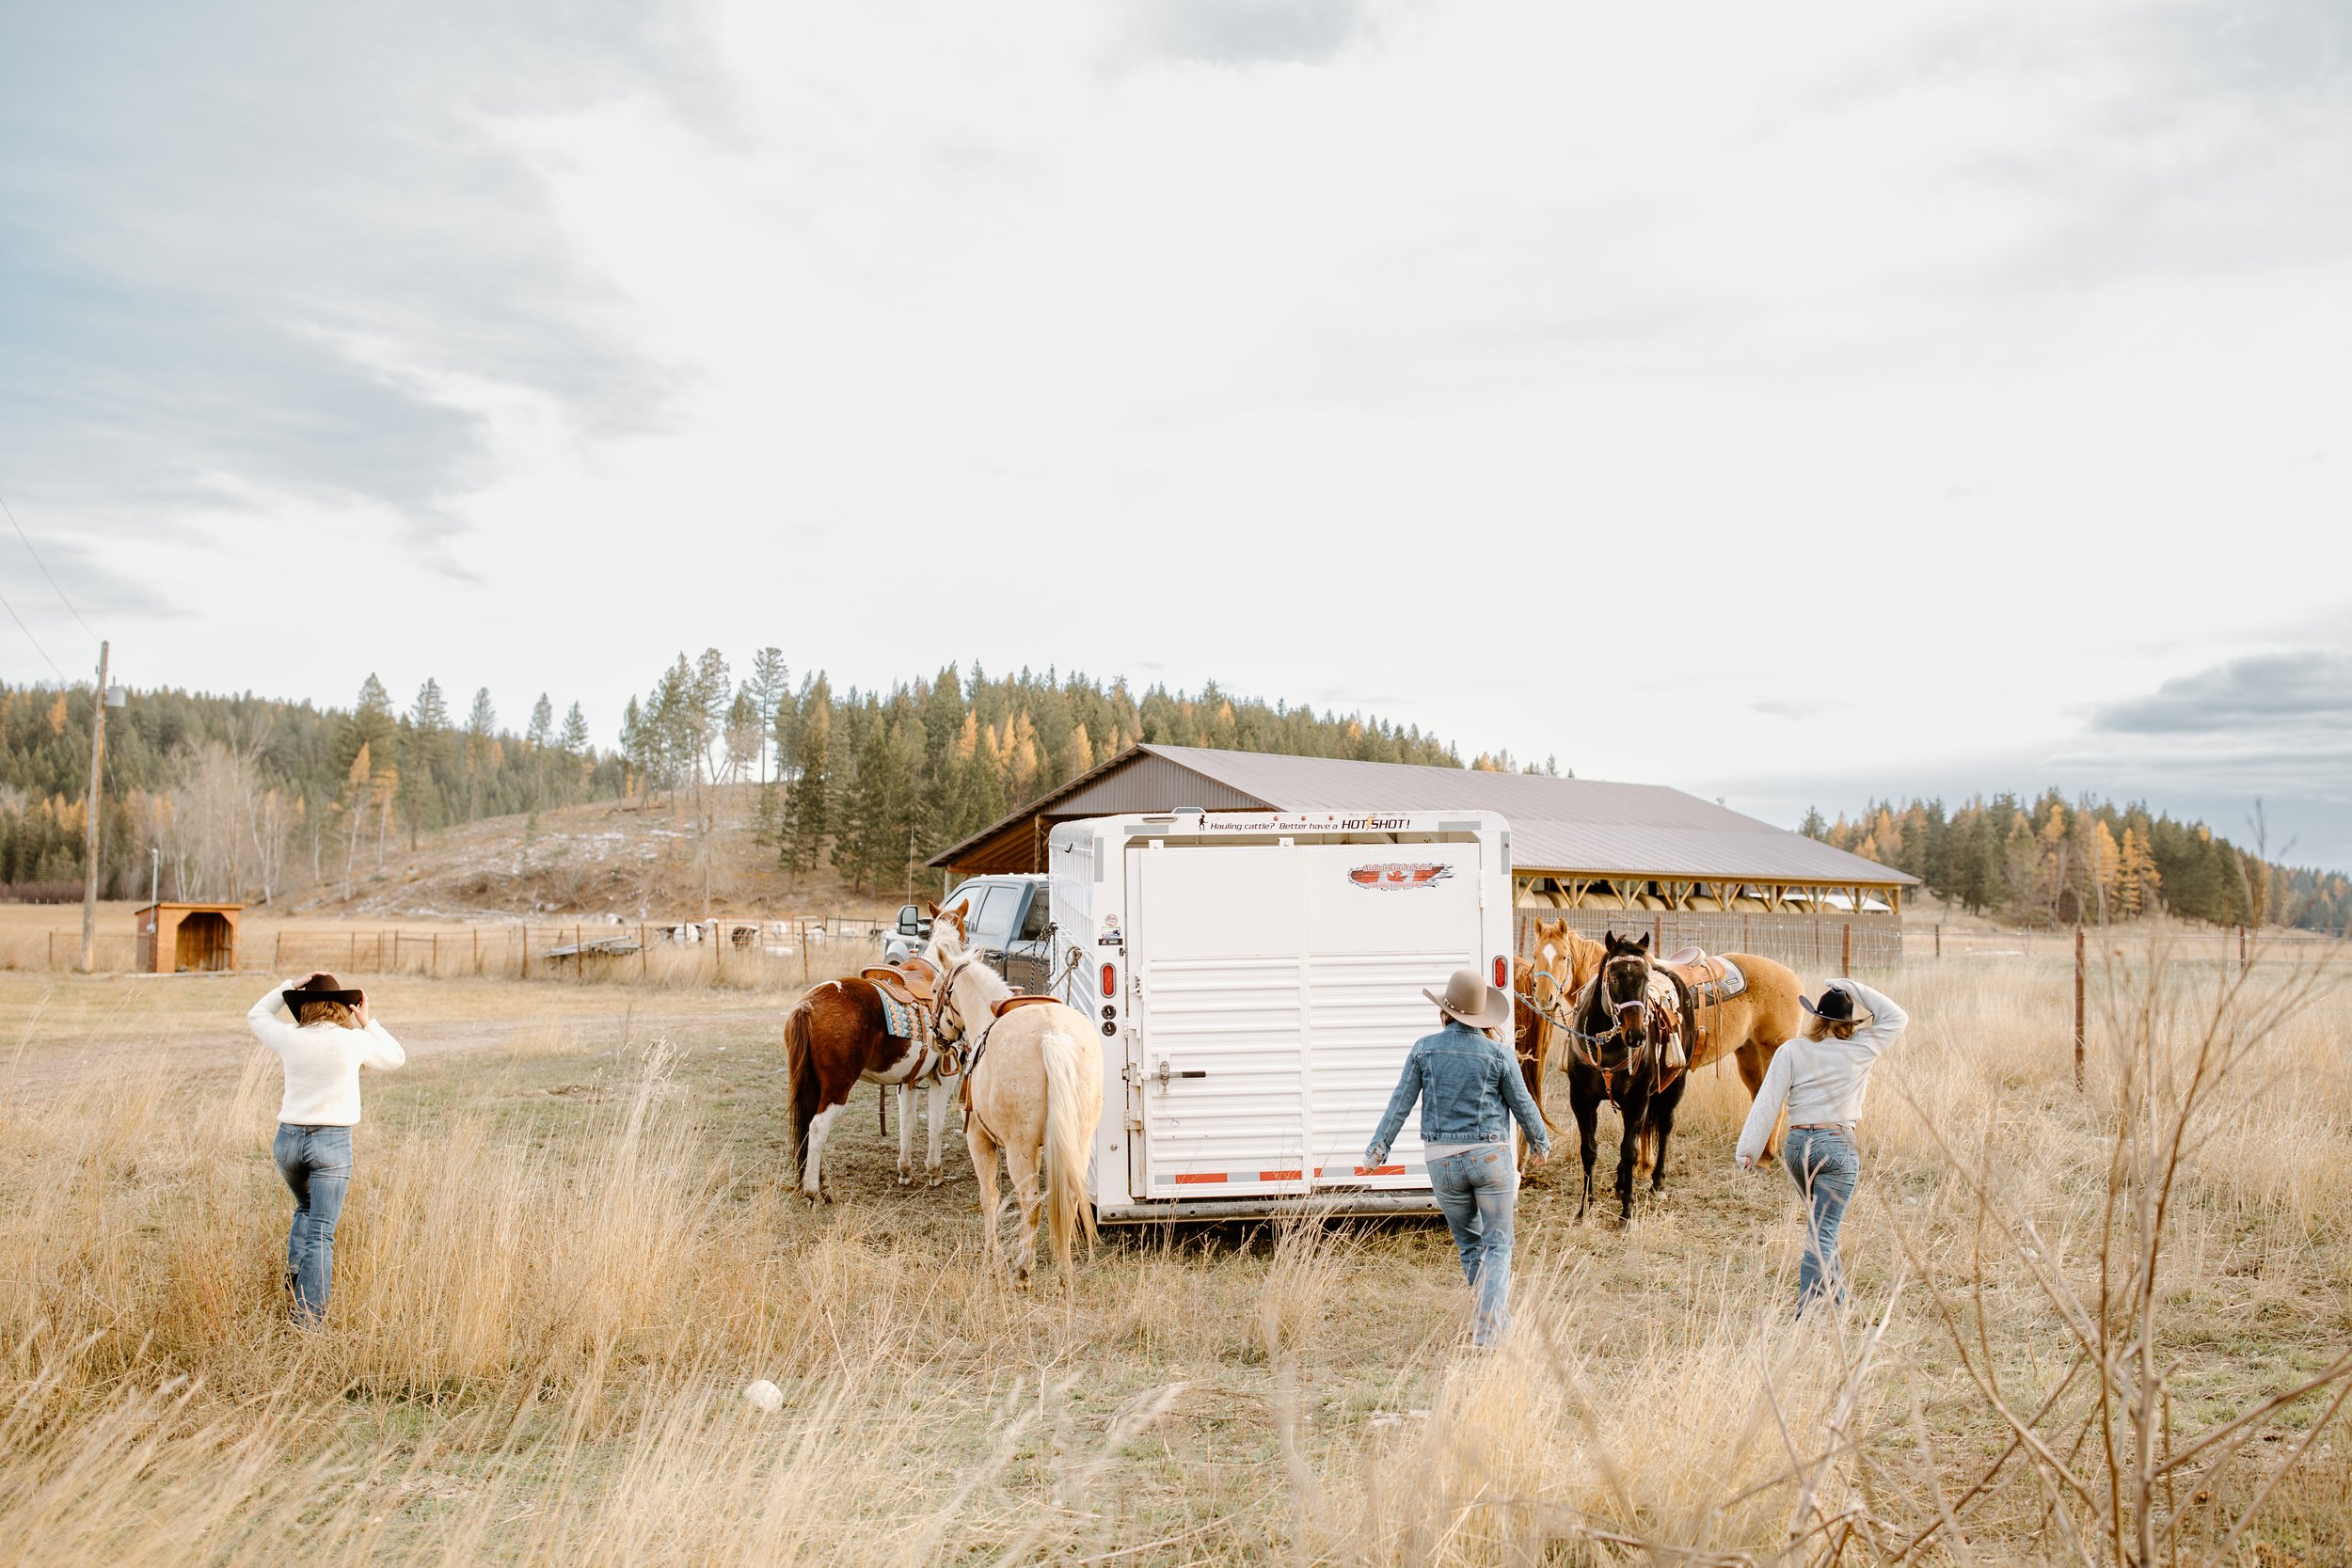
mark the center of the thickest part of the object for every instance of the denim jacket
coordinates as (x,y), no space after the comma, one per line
(1468,1087)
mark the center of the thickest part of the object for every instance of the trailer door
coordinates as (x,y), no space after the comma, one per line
(1384,923)
(1216,936)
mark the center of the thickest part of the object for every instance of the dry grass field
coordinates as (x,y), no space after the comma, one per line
(567,1250)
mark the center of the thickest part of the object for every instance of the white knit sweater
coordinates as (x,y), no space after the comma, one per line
(321,1061)
(1824,1079)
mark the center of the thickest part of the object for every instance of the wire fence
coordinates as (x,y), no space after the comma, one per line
(739,951)
(1834,943)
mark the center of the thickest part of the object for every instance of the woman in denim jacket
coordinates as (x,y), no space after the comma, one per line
(1469,1088)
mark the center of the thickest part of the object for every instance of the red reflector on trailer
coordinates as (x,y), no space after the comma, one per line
(1378,1170)
(1110,980)
(1186,1178)
(1503,974)
(1279,1175)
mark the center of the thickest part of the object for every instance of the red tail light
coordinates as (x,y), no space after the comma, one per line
(1110,979)
(1502,974)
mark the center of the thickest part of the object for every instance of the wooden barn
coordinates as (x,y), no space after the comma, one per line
(178,938)
(1635,857)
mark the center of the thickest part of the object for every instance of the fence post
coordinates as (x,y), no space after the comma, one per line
(475,932)
(1939,938)
(1845,949)
(717,950)
(644,962)
(522,970)
(2241,949)
(2078,1007)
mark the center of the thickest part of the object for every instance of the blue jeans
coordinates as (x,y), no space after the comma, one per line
(317,1164)
(1826,1168)
(1476,1189)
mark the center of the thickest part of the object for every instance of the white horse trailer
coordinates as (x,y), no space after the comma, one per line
(1257,978)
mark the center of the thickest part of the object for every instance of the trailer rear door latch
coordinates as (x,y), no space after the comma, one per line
(1167,1072)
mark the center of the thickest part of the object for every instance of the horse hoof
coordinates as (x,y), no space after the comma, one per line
(905,1180)
(935,1179)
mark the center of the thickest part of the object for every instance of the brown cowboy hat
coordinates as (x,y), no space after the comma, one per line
(1473,1001)
(320,988)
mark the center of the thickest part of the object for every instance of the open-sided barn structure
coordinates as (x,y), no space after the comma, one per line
(176,938)
(1636,857)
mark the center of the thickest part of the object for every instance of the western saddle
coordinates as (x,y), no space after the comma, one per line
(914,983)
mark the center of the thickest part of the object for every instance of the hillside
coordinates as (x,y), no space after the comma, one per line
(604,858)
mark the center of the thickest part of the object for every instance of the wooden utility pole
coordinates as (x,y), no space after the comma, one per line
(2078,1007)
(89,827)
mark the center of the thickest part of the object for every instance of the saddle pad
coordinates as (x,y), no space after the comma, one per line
(1010,1003)
(897,1017)
(1731,985)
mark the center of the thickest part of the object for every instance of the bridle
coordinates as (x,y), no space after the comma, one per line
(951,1047)
(1585,1044)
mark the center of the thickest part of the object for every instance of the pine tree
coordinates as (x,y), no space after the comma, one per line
(372,725)
(807,806)
(1813,826)
(482,722)
(427,743)
(770,686)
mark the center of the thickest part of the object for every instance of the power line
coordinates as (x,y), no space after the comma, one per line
(36,642)
(44,571)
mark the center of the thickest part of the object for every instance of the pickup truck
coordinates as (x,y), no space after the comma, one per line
(1008,919)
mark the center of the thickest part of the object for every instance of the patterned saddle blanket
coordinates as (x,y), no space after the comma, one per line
(899,1018)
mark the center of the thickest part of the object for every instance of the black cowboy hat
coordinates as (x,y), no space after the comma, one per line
(1835,1007)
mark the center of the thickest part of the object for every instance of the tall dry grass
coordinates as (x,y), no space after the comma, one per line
(540,1331)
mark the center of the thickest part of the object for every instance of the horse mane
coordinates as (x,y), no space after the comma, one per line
(992,986)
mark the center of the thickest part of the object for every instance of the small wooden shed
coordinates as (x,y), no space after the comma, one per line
(174,938)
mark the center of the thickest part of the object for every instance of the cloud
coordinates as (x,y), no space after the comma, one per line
(1799,708)
(1248,32)
(223,204)
(2307,692)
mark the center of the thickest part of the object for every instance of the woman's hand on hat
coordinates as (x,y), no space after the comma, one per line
(359,1010)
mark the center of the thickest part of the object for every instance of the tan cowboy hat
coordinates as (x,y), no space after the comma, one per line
(1473,1001)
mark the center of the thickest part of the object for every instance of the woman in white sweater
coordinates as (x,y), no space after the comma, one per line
(322,1043)
(1821,1078)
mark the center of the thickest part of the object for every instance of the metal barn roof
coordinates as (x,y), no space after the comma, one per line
(1573,827)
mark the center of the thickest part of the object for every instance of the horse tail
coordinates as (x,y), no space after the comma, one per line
(800,1071)
(1068,1132)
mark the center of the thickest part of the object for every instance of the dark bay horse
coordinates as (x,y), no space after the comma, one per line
(838,1037)
(1625,1045)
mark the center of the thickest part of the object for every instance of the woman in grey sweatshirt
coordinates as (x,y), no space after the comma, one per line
(1821,1078)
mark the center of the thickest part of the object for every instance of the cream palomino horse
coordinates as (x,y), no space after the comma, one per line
(1033,1088)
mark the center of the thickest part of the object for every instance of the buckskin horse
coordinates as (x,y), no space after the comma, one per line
(877,1028)
(1736,1005)
(1032,1088)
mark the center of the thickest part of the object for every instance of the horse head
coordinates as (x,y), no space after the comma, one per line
(966,995)
(948,918)
(1621,992)
(1564,964)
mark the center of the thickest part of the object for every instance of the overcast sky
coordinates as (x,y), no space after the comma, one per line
(1790,404)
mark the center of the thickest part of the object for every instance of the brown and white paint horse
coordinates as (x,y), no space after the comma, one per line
(837,1038)
(1033,1088)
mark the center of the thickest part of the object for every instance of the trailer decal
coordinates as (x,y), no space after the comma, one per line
(1393,876)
